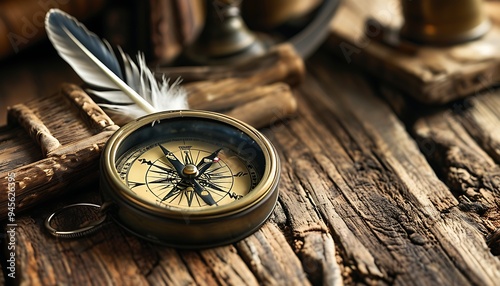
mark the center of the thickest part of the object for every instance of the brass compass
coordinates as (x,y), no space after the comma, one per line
(188,179)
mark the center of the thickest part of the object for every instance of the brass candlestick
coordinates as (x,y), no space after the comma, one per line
(225,37)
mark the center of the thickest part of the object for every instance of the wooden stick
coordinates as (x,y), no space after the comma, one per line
(35,127)
(266,110)
(222,97)
(90,112)
(259,106)
(64,163)
(72,166)
(282,63)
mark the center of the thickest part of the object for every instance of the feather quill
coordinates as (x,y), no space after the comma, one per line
(132,91)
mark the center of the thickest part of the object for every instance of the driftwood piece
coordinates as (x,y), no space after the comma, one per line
(433,75)
(258,106)
(67,158)
(281,63)
(219,97)
(273,107)
(244,89)
(35,127)
(359,204)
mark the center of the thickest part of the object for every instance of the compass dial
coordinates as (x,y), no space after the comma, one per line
(187,173)
(189,178)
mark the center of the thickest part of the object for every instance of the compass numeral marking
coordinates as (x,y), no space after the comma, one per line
(235,196)
(145,161)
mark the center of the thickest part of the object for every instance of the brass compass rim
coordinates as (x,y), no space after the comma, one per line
(119,190)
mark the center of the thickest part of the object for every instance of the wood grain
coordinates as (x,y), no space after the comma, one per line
(403,205)
(459,141)
(362,201)
(431,74)
(281,63)
(67,158)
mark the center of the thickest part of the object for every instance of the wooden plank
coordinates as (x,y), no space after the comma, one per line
(470,173)
(460,141)
(479,115)
(307,233)
(431,74)
(116,256)
(359,204)
(271,259)
(22,151)
(385,191)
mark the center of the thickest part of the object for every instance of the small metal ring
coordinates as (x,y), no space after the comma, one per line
(92,227)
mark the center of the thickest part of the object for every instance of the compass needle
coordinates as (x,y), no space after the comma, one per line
(206,162)
(172,159)
(203,193)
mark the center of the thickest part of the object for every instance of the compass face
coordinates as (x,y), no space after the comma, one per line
(207,174)
(189,163)
(190,178)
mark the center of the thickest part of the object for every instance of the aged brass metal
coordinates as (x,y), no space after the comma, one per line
(443,22)
(225,37)
(147,214)
(267,15)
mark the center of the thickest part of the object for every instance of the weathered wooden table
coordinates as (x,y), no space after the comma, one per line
(375,189)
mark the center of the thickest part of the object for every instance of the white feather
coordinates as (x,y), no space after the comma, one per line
(95,62)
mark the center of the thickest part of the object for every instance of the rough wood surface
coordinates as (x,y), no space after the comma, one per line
(258,106)
(360,203)
(281,63)
(433,75)
(461,141)
(35,127)
(275,104)
(47,122)
(68,158)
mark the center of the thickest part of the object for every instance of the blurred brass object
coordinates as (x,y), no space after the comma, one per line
(265,14)
(443,22)
(225,37)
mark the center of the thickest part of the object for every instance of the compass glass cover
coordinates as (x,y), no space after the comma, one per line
(189,163)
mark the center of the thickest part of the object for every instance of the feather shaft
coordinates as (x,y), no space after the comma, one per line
(95,62)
